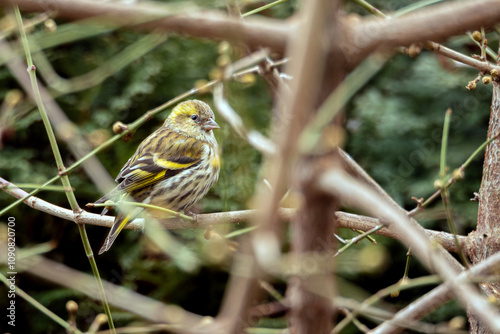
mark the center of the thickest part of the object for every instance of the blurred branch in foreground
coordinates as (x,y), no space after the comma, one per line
(435,23)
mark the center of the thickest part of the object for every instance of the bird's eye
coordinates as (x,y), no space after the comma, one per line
(194,117)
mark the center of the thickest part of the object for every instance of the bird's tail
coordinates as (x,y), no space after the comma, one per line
(120,222)
(115,194)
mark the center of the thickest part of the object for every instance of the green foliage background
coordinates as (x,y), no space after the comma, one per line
(393,126)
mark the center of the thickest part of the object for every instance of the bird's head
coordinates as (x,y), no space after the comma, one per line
(194,118)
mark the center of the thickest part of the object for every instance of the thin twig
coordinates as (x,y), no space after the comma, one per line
(444,144)
(489,51)
(451,224)
(457,175)
(370,8)
(444,190)
(358,238)
(260,9)
(483,66)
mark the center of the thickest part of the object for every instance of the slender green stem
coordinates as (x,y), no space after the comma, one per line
(104,71)
(371,9)
(95,271)
(451,223)
(409,255)
(60,164)
(489,51)
(271,290)
(452,179)
(40,307)
(444,144)
(260,9)
(240,232)
(43,113)
(358,238)
(414,6)
(369,237)
(478,150)
(144,205)
(32,185)
(375,11)
(37,249)
(362,327)
(483,44)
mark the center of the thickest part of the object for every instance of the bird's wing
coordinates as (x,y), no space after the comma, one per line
(154,163)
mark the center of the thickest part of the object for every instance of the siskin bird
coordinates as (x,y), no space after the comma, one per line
(172,168)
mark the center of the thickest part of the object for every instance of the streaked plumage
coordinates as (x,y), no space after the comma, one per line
(172,168)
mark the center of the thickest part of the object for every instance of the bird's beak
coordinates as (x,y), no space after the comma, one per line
(210,125)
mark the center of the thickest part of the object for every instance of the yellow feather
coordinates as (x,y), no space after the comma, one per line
(160,175)
(172,165)
(215,162)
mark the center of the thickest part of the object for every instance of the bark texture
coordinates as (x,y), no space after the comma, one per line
(485,240)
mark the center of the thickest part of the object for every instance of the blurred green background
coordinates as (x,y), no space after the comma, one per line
(393,124)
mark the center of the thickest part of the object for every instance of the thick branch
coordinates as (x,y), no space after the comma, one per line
(255,31)
(485,241)
(433,23)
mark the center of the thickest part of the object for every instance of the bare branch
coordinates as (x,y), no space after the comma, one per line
(364,223)
(254,31)
(345,220)
(483,66)
(435,298)
(435,23)
(352,167)
(356,194)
